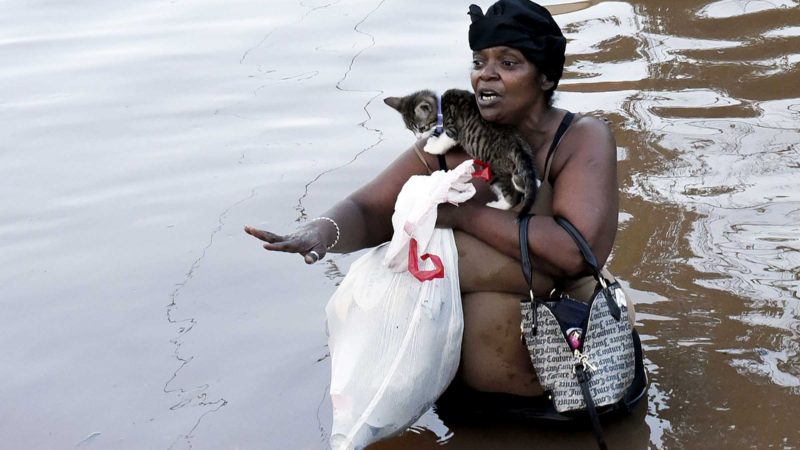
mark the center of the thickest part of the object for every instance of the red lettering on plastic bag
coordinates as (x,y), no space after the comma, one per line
(413,264)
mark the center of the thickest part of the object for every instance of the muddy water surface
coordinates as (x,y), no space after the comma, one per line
(137,139)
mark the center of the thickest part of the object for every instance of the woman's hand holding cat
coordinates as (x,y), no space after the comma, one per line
(308,241)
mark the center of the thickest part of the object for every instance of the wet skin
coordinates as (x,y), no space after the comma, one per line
(510,90)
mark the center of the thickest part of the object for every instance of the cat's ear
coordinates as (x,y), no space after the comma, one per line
(394,102)
(423,110)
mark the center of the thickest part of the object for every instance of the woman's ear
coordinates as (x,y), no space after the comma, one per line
(545,83)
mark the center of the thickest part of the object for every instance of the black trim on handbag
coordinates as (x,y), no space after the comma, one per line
(585,354)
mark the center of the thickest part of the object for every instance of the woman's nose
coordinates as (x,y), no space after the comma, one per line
(488,71)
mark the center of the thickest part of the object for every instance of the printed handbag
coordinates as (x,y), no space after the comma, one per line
(583,353)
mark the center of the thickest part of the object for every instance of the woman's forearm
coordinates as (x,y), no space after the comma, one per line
(553,251)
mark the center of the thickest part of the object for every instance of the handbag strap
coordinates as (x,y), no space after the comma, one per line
(525,257)
(583,246)
(527,268)
(583,381)
(586,252)
(590,259)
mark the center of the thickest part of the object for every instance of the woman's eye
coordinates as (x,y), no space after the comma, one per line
(477,64)
(509,63)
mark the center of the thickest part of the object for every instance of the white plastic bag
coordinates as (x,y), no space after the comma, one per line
(395,342)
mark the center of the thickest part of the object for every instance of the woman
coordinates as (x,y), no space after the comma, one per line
(517,62)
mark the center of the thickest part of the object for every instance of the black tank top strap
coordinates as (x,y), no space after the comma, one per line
(442,162)
(562,128)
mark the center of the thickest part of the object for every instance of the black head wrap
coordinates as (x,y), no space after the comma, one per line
(525,26)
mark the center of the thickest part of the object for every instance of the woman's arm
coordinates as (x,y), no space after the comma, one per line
(584,192)
(363,218)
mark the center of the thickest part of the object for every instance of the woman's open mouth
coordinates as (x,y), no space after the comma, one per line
(487,97)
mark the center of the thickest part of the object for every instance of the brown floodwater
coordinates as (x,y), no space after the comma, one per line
(138,139)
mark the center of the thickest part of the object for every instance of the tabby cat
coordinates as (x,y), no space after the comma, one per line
(507,153)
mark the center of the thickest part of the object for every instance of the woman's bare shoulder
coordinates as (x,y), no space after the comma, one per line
(589,129)
(589,140)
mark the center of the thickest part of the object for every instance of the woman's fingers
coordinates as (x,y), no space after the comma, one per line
(274,241)
(304,242)
(289,244)
(264,235)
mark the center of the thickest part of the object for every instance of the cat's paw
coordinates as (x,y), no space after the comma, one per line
(439,145)
(430,145)
(500,203)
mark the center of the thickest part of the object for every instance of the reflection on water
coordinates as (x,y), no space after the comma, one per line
(732,8)
(714,126)
(138,140)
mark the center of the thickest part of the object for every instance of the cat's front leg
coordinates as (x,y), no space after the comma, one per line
(504,201)
(439,145)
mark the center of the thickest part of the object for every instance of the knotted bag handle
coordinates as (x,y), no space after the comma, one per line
(413,264)
(586,251)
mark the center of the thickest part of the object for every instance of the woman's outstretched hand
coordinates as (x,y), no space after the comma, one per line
(306,241)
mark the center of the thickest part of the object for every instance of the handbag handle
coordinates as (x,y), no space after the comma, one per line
(527,267)
(583,246)
(525,257)
(586,252)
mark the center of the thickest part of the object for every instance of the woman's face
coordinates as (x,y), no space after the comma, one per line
(506,85)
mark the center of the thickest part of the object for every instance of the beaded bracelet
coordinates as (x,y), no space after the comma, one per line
(334,224)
